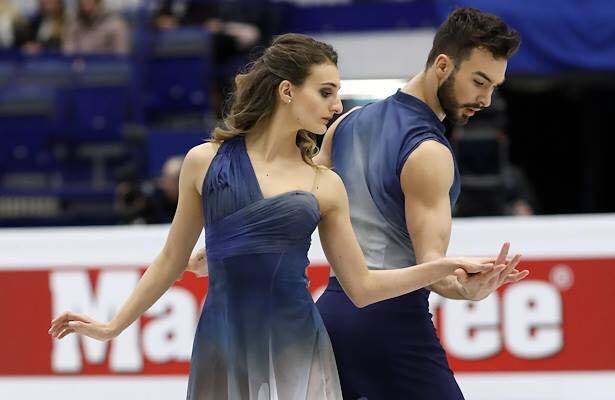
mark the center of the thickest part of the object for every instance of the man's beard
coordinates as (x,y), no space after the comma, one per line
(448,102)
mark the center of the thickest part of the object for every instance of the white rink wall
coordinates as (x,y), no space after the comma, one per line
(535,237)
(493,386)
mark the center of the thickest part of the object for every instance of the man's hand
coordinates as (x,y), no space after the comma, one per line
(198,263)
(480,285)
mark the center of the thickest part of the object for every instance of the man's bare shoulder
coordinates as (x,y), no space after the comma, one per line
(431,151)
(324,156)
(334,125)
(429,167)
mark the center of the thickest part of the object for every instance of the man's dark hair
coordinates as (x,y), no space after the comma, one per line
(466,29)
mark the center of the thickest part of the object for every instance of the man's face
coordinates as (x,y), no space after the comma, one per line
(469,87)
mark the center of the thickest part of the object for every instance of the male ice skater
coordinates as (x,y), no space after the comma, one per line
(402,180)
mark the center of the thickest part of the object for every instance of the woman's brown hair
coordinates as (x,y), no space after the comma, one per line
(290,57)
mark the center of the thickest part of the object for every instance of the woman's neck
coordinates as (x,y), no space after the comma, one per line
(273,139)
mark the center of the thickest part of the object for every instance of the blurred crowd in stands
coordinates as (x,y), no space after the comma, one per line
(90,27)
(114,71)
(130,85)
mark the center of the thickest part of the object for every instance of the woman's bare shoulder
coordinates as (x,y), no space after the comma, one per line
(201,155)
(197,161)
(331,190)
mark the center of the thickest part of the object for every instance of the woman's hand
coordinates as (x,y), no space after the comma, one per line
(470,265)
(476,285)
(69,322)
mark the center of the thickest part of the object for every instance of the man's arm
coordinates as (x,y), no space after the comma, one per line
(426,179)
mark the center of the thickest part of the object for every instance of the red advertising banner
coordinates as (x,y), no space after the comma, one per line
(558,319)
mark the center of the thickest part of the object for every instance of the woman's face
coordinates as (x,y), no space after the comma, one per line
(314,103)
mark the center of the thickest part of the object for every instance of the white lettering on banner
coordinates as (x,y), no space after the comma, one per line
(528,325)
(533,319)
(531,322)
(472,328)
(72,290)
(169,336)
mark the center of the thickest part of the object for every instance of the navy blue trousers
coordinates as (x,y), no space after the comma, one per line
(388,350)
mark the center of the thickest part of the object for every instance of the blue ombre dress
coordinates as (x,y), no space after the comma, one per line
(260,335)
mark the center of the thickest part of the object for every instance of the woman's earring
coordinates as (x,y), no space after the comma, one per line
(289,100)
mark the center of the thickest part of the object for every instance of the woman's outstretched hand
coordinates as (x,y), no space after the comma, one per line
(70,322)
(464,266)
(470,265)
(476,285)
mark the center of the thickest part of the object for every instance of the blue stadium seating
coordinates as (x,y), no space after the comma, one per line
(177,72)
(102,98)
(164,144)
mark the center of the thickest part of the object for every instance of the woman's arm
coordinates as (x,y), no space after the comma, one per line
(342,250)
(168,265)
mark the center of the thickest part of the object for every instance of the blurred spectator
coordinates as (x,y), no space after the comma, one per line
(236,26)
(520,197)
(11,24)
(161,198)
(492,186)
(95,30)
(26,7)
(129,202)
(44,29)
(155,202)
(124,5)
(174,13)
(507,193)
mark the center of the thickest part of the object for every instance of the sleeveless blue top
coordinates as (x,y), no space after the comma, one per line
(370,147)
